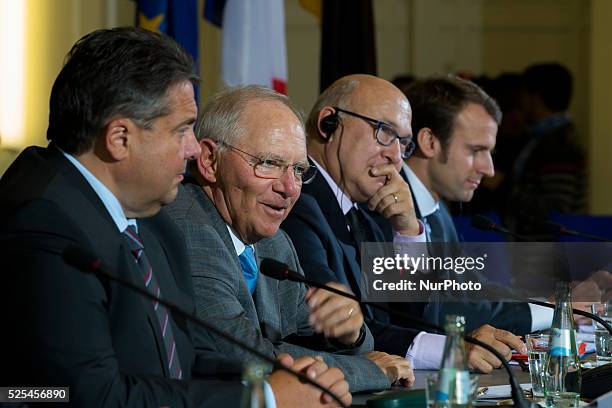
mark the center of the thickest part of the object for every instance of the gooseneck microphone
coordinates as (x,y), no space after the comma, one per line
(486,224)
(86,261)
(558,229)
(280,271)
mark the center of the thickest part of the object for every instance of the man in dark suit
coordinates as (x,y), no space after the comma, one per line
(357,132)
(455,126)
(121,129)
(245,182)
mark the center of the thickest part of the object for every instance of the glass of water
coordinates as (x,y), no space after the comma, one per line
(603,341)
(537,347)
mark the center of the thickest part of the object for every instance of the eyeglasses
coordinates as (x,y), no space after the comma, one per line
(274,169)
(385,134)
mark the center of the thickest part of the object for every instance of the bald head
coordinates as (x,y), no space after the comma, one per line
(353,92)
(344,129)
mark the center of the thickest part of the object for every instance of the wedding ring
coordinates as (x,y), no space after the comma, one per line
(395,198)
(350,313)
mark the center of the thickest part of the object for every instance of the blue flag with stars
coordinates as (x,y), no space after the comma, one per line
(177,18)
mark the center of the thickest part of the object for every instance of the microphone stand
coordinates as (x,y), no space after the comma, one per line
(89,263)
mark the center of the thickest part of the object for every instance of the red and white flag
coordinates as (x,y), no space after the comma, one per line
(254,49)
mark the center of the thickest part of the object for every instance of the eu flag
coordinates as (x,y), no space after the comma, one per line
(177,18)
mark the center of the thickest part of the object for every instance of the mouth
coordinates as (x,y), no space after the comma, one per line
(275,210)
(473,183)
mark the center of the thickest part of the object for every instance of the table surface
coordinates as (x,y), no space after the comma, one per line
(497,377)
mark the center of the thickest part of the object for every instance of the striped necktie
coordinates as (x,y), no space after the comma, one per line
(137,249)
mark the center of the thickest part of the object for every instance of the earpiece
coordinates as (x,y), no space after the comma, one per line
(328,125)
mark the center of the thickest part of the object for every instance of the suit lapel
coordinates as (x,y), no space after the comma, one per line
(220,227)
(266,291)
(323,194)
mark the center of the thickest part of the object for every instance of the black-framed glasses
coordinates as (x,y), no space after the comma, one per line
(274,169)
(384,133)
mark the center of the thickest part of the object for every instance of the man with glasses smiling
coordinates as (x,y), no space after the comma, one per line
(358,132)
(250,172)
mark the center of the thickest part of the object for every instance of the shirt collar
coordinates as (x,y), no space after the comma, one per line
(424,200)
(344,201)
(239,246)
(109,200)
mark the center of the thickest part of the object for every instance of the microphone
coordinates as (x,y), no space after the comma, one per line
(559,229)
(486,224)
(86,261)
(278,270)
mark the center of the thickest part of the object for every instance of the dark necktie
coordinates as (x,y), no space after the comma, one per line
(249,267)
(359,229)
(441,227)
(137,249)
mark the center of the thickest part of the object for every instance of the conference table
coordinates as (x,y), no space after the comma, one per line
(497,377)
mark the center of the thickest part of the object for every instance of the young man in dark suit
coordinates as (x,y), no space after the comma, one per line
(121,123)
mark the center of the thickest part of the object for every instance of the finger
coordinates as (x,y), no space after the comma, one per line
(478,363)
(317,297)
(330,377)
(514,342)
(316,369)
(351,325)
(393,187)
(302,363)
(387,169)
(285,359)
(335,309)
(340,388)
(309,293)
(492,358)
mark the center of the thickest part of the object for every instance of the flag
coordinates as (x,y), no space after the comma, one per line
(347,40)
(177,18)
(253,49)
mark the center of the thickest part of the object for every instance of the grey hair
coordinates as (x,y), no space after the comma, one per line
(220,118)
(337,94)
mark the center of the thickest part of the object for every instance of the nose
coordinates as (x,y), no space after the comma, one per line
(287,184)
(393,152)
(486,167)
(192,147)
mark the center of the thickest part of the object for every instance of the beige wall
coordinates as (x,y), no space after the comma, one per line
(417,36)
(600,143)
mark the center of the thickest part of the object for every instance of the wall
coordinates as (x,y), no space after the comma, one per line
(413,36)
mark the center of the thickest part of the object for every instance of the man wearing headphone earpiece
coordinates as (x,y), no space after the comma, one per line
(358,131)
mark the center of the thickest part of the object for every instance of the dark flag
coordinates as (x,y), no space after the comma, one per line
(347,40)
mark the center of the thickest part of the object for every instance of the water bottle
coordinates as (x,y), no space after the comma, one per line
(562,369)
(253,376)
(454,386)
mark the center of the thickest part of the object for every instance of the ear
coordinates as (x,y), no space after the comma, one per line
(324,131)
(207,161)
(427,143)
(116,137)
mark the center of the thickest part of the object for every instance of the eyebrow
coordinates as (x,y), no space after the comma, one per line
(280,159)
(188,121)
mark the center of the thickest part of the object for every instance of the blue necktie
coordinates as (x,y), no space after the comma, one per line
(249,267)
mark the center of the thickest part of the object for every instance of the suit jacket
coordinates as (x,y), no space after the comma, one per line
(78,330)
(275,318)
(327,253)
